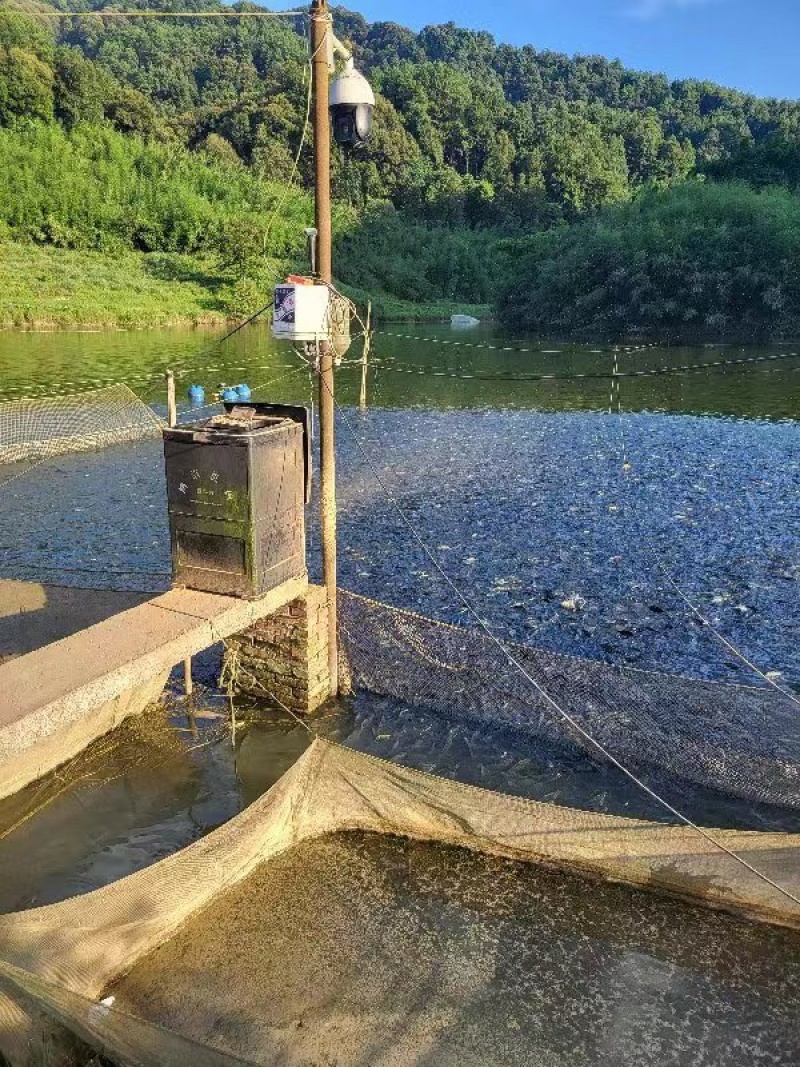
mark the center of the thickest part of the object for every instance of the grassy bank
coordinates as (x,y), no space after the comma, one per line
(55,288)
(388,308)
(59,288)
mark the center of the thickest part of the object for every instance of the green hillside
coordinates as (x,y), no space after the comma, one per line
(179,137)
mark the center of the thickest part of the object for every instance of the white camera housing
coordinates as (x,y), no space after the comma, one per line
(351,102)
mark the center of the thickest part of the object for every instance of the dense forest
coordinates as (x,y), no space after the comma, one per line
(592,197)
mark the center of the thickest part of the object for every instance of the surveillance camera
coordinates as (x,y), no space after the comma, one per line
(351,101)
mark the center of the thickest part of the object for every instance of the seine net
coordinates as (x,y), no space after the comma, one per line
(57,961)
(737,739)
(37,428)
(64,955)
(135,937)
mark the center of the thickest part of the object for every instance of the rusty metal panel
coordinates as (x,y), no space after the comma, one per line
(236,486)
(295,412)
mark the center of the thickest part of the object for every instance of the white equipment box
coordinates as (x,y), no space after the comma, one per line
(301,312)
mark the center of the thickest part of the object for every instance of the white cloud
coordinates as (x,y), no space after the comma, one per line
(650,9)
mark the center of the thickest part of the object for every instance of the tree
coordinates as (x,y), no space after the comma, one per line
(80,89)
(18,30)
(26,86)
(701,258)
(775,161)
(131,112)
(219,149)
(582,170)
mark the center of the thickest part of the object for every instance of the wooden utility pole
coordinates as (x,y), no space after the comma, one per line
(320,49)
(172,420)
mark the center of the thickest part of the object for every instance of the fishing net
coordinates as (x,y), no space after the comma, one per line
(57,961)
(66,955)
(38,428)
(739,740)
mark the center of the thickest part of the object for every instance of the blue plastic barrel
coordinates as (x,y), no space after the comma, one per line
(244,392)
(230,395)
(197,394)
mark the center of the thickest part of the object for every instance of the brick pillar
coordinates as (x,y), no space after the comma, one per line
(287,653)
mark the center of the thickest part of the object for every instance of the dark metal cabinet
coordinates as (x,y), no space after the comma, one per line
(236,487)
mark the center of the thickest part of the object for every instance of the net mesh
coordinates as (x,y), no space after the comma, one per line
(36,429)
(66,954)
(739,740)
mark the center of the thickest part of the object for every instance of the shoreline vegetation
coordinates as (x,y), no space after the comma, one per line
(44,288)
(156,173)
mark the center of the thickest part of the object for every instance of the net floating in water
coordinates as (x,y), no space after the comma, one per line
(38,428)
(82,945)
(742,741)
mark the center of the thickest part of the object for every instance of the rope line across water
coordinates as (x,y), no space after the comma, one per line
(539,688)
(589,375)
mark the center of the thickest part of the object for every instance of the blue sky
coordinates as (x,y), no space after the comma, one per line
(749,44)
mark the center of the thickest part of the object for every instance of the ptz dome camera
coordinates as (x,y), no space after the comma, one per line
(351,102)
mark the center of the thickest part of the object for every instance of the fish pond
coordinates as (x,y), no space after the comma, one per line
(591,500)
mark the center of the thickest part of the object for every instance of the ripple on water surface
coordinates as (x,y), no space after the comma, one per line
(526,511)
(415,953)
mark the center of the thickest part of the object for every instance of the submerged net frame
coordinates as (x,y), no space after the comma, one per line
(37,428)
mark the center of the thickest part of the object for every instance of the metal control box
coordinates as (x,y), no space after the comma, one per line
(301,312)
(236,488)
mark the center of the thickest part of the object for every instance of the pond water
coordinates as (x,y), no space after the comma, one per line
(476,368)
(564,522)
(531,494)
(365,950)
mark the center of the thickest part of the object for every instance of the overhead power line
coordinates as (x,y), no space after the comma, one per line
(106,13)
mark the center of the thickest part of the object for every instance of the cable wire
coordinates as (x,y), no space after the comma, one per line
(686,368)
(667,574)
(107,13)
(549,700)
(514,346)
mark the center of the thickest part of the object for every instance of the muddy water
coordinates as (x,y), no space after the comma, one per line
(152,787)
(518,487)
(363,950)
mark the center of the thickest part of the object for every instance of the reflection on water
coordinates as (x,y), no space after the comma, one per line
(362,949)
(424,366)
(153,786)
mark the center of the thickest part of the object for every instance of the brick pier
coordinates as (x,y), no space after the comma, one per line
(286,654)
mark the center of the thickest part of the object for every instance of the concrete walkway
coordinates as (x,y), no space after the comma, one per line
(56,700)
(34,614)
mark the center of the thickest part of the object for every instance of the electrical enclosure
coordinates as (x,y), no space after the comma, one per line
(301,312)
